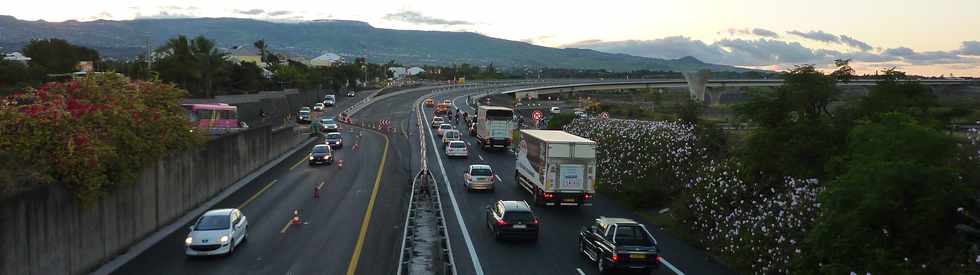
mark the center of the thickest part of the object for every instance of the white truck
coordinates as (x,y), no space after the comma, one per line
(556,168)
(494,127)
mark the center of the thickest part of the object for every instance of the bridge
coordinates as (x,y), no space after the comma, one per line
(698,86)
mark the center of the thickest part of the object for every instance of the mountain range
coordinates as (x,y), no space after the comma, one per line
(122,39)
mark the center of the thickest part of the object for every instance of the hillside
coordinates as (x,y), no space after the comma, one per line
(347,38)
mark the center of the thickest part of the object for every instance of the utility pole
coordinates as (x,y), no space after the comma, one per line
(148,62)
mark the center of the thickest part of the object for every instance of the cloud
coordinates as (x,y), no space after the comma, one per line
(765,33)
(764,52)
(734,31)
(854,43)
(969,48)
(250,12)
(279,13)
(415,17)
(817,36)
(540,38)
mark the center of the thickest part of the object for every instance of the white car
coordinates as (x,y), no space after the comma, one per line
(443,128)
(217,232)
(555,110)
(456,148)
(478,176)
(329,125)
(318,107)
(450,135)
(329,100)
(436,121)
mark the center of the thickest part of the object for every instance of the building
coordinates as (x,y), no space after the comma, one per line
(16,56)
(413,71)
(326,60)
(247,53)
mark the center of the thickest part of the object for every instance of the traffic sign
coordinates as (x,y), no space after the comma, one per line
(604,115)
(537,115)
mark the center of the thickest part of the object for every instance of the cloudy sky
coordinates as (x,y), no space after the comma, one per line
(930,37)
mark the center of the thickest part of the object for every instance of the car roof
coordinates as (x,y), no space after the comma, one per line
(321,145)
(617,221)
(219,212)
(455,141)
(333,134)
(445,124)
(516,206)
(476,166)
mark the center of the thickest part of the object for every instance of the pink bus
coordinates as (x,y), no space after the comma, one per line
(216,118)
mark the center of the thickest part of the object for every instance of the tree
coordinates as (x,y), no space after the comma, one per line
(56,56)
(179,65)
(13,73)
(796,135)
(844,72)
(892,210)
(896,93)
(261,46)
(211,63)
(95,133)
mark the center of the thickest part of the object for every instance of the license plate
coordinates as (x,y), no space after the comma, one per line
(520,226)
(569,200)
(638,256)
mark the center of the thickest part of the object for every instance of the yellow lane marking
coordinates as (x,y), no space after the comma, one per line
(367,214)
(297,163)
(249,200)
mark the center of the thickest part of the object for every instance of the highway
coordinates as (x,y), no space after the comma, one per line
(332,225)
(556,252)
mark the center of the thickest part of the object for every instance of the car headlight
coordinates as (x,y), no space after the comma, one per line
(223,239)
(188,241)
(311,157)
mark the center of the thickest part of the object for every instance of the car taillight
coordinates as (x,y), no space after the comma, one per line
(615,257)
(587,196)
(548,195)
(535,221)
(501,222)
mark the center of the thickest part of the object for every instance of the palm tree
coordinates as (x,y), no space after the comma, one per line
(210,62)
(261,46)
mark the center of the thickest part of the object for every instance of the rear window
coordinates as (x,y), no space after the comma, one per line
(632,235)
(457,145)
(481,172)
(446,126)
(452,134)
(213,223)
(518,216)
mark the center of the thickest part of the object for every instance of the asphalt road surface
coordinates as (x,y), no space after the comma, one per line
(332,226)
(556,252)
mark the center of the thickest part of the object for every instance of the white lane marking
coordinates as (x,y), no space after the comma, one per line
(481,156)
(459,217)
(580,272)
(498,178)
(670,266)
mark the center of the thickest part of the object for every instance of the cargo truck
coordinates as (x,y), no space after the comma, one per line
(556,168)
(494,127)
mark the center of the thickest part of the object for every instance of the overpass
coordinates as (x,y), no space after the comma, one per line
(696,91)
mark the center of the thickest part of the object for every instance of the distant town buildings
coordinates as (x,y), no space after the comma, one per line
(16,56)
(326,60)
(402,72)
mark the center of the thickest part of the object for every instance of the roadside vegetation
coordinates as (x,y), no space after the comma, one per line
(877,185)
(89,135)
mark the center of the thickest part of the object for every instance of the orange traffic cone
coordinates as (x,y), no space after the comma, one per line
(296,217)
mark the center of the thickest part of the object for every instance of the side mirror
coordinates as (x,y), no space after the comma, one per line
(191,228)
(487,207)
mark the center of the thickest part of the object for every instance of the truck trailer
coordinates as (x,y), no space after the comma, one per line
(556,168)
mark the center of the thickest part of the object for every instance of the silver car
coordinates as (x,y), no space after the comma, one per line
(478,176)
(217,232)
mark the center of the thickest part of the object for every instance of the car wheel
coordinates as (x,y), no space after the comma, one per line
(231,248)
(601,266)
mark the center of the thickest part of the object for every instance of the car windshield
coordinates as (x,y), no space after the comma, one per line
(632,235)
(214,222)
(320,149)
(446,126)
(518,216)
(481,172)
(333,136)
(304,112)
(327,120)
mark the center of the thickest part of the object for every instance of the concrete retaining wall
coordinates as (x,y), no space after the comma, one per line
(44,231)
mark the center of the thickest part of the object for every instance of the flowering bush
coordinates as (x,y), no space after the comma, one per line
(645,161)
(759,230)
(94,133)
